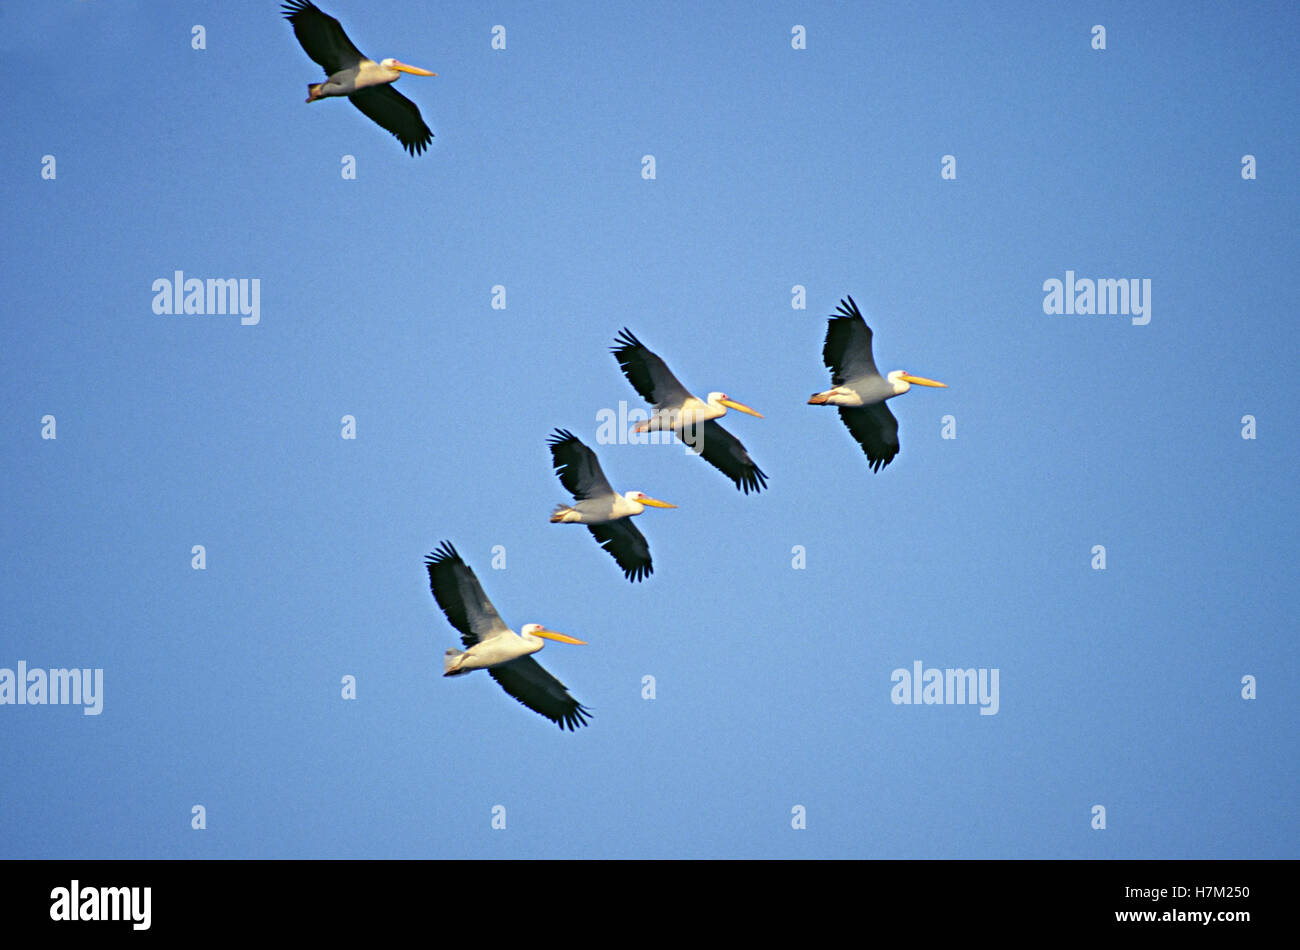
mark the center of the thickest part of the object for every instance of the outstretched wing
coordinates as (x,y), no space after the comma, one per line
(528,682)
(724,452)
(396,113)
(648,374)
(577,467)
(461,597)
(321,36)
(876,430)
(847,352)
(627,545)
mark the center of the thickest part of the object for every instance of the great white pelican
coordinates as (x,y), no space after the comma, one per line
(860,391)
(606,513)
(491,645)
(366,83)
(692,418)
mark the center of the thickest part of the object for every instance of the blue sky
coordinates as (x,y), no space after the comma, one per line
(774,167)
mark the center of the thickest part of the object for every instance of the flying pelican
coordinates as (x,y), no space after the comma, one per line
(692,418)
(493,646)
(362,80)
(860,391)
(606,513)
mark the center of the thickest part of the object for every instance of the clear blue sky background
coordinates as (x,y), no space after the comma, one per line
(775,167)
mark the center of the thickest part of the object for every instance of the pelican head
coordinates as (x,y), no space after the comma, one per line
(537,630)
(401,67)
(641,498)
(902,381)
(722,399)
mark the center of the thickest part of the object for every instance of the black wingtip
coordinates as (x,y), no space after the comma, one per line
(625,340)
(418,146)
(877,462)
(753,480)
(638,572)
(443,552)
(572,720)
(849,309)
(560,436)
(293,7)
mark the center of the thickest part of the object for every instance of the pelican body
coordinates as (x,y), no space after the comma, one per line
(859,391)
(607,509)
(491,645)
(365,74)
(367,84)
(502,648)
(693,419)
(604,511)
(692,411)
